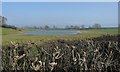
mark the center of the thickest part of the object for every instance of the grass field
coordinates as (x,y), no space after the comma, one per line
(68,55)
(15,35)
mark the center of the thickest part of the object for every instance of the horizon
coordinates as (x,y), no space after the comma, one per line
(61,14)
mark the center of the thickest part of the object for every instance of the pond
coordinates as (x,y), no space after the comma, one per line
(52,32)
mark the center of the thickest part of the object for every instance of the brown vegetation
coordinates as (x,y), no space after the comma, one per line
(96,54)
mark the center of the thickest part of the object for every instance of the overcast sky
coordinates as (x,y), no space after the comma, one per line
(60,14)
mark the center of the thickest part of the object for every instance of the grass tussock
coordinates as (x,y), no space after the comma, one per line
(96,54)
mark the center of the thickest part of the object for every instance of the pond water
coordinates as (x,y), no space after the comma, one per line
(52,32)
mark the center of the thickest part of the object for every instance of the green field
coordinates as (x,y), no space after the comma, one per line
(14,35)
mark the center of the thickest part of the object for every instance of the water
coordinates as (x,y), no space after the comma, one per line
(52,32)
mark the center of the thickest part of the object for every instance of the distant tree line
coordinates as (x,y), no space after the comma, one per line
(9,26)
(38,27)
(72,27)
(95,26)
(4,24)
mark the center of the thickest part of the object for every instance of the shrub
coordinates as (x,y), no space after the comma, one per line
(96,54)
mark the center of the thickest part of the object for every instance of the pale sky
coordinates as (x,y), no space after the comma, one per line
(60,14)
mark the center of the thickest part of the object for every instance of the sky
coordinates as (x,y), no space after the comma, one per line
(0,8)
(60,14)
(60,0)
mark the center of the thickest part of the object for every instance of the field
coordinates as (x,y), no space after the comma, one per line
(15,35)
(94,50)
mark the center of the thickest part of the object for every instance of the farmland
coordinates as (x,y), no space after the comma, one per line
(91,50)
(59,37)
(15,35)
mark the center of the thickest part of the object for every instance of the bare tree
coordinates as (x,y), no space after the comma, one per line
(82,26)
(96,26)
(71,26)
(3,20)
(46,27)
(67,27)
(76,27)
(54,26)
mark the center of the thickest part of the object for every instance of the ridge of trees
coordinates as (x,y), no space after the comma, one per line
(95,26)
(4,24)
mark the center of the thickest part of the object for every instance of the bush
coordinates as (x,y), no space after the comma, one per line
(96,54)
(9,26)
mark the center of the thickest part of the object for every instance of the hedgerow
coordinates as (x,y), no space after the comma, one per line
(95,54)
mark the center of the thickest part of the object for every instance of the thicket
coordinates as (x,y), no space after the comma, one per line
(93,55)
